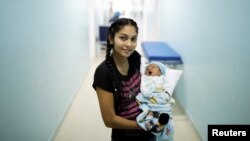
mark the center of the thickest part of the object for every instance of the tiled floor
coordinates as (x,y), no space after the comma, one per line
(83,121)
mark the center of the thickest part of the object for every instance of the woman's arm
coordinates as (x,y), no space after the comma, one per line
(111,120)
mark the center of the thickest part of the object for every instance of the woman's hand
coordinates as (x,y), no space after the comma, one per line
(111,120)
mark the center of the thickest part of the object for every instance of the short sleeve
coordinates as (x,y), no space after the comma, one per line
(102,78)
(144,64)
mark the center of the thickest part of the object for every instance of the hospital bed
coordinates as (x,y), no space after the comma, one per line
(103,30)
(160,51)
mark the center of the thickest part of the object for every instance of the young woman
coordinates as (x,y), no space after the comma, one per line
(117,83)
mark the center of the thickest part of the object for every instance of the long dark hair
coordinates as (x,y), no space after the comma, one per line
(115,27)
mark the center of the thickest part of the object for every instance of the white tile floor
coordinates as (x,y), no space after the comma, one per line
(83,121)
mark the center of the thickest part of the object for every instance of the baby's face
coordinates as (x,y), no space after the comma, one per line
(153,70)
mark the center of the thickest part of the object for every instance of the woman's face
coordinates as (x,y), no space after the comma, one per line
(125,41)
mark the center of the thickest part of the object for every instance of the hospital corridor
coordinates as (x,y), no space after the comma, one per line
(50,49)
(83,121)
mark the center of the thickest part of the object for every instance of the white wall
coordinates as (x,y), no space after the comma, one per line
(44,47)
(213,39)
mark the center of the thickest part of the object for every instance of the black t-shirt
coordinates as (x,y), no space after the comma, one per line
(128,107)
(102,78)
